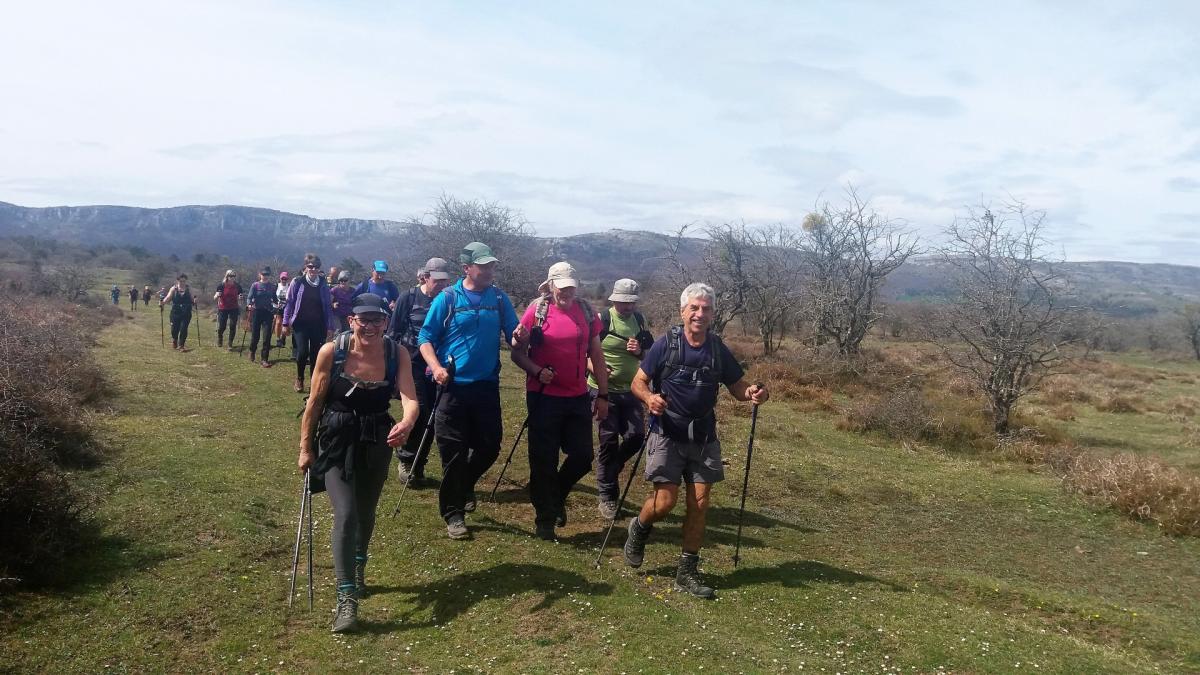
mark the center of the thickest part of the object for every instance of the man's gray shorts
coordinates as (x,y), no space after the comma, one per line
(669,461)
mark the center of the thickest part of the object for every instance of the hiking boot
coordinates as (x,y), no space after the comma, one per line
(299,387)
(635,543)
(687,578)
(174,344)
(404,472)
(346,619)
(231,348)
(360,578)
(266,363)
(456,527)
(252,359)
(545,531)
(608,510)
(560,520)
(220,341)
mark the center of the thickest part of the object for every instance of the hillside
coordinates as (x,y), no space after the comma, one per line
(246,233)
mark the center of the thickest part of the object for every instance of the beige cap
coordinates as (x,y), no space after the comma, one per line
(624,290)
(562,275)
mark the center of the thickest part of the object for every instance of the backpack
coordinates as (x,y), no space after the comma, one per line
(415,316)
(673,363)
(452,297)
(644,338)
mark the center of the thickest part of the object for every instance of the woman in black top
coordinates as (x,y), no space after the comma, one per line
(354,381)
(182,301)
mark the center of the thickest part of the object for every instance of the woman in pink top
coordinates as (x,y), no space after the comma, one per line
(565,333)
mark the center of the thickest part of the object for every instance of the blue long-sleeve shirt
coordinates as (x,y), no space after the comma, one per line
(472,337)
(386,289)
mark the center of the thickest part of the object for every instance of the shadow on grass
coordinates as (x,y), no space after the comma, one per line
(793,574)
(446,599)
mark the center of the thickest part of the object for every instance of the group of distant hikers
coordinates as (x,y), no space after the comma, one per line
(436,347)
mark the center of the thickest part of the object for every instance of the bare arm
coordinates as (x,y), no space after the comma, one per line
(744,391)
(641,388)
(406,391)
(316,403)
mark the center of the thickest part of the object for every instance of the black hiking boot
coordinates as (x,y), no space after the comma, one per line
(346,618)
(687,578)
(544,531)
(560,519)
(219,341)
(251,357)
(635,543)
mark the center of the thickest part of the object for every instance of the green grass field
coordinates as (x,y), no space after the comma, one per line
(857,556)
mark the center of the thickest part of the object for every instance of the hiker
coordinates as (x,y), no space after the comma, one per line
(260,309)
(182,303)
(334,275)
(406,324)
(352,386)
(115,293)
(465,321)
(308,315)
(679,380)
(624,339)
(146,296)
(377,284)
(133,298)
(280,302)
(162,294)
(564,334)
(341,298)
(229,294)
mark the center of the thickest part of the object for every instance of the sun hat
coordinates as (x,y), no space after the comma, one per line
(562,275)
(283,274)
(624,290)
(369,303)
(437,268)
(476,253)
(381,266)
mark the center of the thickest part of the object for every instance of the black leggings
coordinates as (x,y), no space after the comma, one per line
(261,328)
(179,328)
(229,316)
(309,338)
(354,503)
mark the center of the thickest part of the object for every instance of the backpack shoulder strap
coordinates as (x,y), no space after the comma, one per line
(673,357)
(717,359)
(588,315)
(452,300)
(393,363)
(641,320)
(341,347)
(543,308)
(605,323)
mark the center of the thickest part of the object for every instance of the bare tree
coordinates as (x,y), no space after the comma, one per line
(724,265)
(773,289)
(1190,319)
(1011,318)
(848,251)
(453,223)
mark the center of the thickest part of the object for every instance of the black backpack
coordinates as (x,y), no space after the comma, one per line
(673,363)
(644,338)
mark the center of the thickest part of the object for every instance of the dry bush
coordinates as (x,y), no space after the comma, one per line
(1183,406)
(1140,487)
(1058,456)
(1120,403)
(1065,389)
(45,385)
(1064,412)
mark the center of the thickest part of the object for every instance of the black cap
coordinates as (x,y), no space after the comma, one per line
(266,271)
(368,303)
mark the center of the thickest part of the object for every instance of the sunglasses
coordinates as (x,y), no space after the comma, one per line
(312,267)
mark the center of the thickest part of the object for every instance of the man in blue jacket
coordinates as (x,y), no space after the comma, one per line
(379,285)
(465,322)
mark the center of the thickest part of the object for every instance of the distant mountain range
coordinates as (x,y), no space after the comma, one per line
(248,233)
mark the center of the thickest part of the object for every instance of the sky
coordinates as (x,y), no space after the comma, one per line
(588,116)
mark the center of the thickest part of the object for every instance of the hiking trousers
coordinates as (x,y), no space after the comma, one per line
(354,503)
(307,340)
(426,391)
(469,432)
(621,436)
(229,316)
(557,423)
(260,326)
(179,327)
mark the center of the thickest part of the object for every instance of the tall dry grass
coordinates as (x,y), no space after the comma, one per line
(1139,487)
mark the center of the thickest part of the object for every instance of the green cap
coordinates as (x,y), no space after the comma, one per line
(476,253)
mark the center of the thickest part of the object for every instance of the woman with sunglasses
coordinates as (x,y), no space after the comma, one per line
(356,377)
(308,314)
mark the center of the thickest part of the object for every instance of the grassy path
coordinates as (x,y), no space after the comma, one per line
(858,556)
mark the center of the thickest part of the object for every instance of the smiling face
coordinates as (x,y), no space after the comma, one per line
(697,315)
(563,297)
(368,326)
(480,276)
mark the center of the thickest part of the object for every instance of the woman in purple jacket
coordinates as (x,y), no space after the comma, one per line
(308,314)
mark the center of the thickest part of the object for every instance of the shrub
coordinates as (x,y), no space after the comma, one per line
(45,386)
(1139,487)
(1119,403)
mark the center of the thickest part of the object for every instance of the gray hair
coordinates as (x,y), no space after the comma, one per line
(698,289)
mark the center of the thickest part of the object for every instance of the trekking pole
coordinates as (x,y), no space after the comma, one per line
(162,326)
(299,531)
(245,329)
(517,442)
(428,430)
(746,478)
(308,497)
(624,493)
